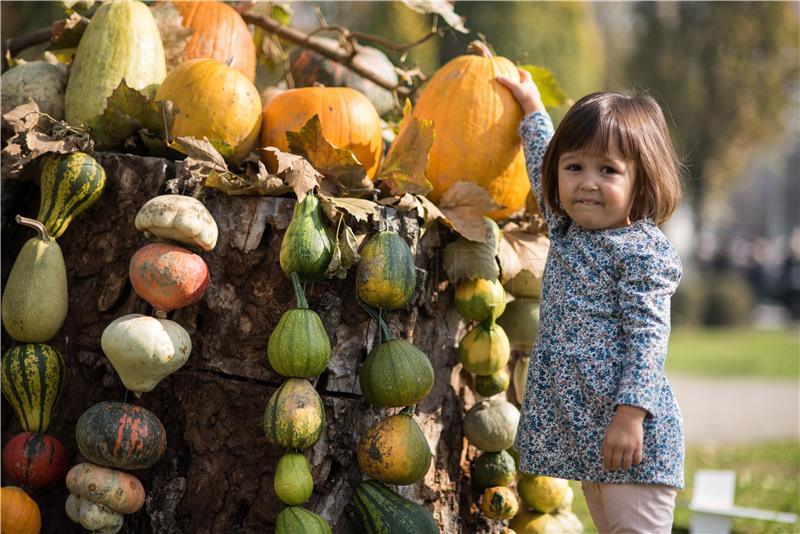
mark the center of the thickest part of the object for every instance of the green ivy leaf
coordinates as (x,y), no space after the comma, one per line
(552,94)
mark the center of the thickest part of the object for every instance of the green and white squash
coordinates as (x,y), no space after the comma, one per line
(306,248)
(70,184)
(297,520)
(294,416)
(384,511)
(33,377)
(484,349)
(144,350)
(122,42)
(478,299)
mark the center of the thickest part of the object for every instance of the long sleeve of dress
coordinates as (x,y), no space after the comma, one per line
(649,279)
(536,130)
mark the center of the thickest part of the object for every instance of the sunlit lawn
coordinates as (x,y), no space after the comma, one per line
(734,352)
(766,477)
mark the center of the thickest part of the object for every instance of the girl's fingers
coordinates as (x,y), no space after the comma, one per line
(524,76)
(637,456)
(627,460)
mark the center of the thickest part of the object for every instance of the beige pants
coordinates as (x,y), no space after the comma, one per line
(630,508)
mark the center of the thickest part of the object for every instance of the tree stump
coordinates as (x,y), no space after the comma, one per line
(216,475)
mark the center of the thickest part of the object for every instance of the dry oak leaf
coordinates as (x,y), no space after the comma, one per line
(295,170)
(522,250)
(403,170)
(174,35)
(464,205)
(359,208)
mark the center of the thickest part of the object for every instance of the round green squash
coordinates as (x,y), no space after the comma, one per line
(35,299)
(33,377)
(491,425)
(395,450)
(306,248)
(484,349)
(385,275)
(494,469)
(395,373)
(122,42)
(297,520)
(293,482)
(478,299)
(525,285)
(382,510)
(70,183)
(489,385)
(521,323)
(120,436)
(299,345)
(294,416)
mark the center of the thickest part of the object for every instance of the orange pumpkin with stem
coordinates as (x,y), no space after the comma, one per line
(348,118)
(19,514)
(475,120)
(218,32)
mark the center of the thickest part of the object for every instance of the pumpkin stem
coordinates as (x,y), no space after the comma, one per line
(36,225)
(159,314)
(408,410)
(386,334)
(479,48)
(299,294)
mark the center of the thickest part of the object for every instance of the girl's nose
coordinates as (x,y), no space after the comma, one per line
(588,183)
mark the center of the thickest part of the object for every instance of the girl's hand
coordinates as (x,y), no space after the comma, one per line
(525,91)
(622,446)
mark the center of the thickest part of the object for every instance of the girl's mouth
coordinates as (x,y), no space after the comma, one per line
(587,203)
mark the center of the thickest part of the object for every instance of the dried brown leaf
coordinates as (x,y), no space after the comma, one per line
(22,118)
(295,170)
(67,33)
(464,205)
(345,253)
(403,170)
(443,8)
(174,35)
(359,208)
(522,250)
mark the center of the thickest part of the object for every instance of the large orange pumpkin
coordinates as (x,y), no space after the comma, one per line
(214,100)
(475,120)
(218,32)
(19,514)
(348,118)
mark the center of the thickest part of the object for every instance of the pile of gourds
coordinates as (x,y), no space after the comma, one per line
(115,436)
(35,305)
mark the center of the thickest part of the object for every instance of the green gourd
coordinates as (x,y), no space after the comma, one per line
(293,483)
(306,248)
(35,298)
(385,275)
(494,469)
(297,520)
(384,511)
(32,378)
(479,299)
(294,416)
(70,184)
(299,345)
(497,382)
(484,349)
(396,373)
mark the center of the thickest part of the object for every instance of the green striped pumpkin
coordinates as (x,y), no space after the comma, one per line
(70,184)
(297,520)
(385,275)
(299,345)
(294,416)
(383,511)
(33,376)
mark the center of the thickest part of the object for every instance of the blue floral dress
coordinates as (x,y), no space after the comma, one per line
(604,325)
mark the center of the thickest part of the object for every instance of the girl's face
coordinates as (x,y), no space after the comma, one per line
(596,191)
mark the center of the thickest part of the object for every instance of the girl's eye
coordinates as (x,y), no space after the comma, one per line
(573,167)
(608,170)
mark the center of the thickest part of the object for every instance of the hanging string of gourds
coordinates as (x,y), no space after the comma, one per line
(35,305)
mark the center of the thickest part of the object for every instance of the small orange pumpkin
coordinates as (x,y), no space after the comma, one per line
(475,120)
(19,514)
(218,32)
(348,118)
(167,276)
(211,99)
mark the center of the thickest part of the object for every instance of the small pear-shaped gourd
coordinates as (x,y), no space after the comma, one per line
(396,373)
(306,248)
(485,349)
(293,483)
(35,299)
(385,275)
(299,345)
(33,376)
(178,218)
(145,350)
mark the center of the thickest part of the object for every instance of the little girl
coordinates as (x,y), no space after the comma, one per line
(597,406)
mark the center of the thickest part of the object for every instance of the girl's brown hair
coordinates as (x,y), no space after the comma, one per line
(637,124)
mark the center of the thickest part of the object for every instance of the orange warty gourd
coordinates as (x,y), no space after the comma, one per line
(19,514)
(348,118)
(216,101)
(220,33)
(475,121)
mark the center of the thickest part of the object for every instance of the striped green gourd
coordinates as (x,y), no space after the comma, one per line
(383,511)
(70,183)
(294,416)
(33,376)
(396,373)
(297,520)
(299,345)
(385,275)
(306,248)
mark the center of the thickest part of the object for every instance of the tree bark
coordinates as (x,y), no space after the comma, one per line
(217,472)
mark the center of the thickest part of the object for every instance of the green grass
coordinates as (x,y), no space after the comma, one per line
(734,352)
(767,476)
